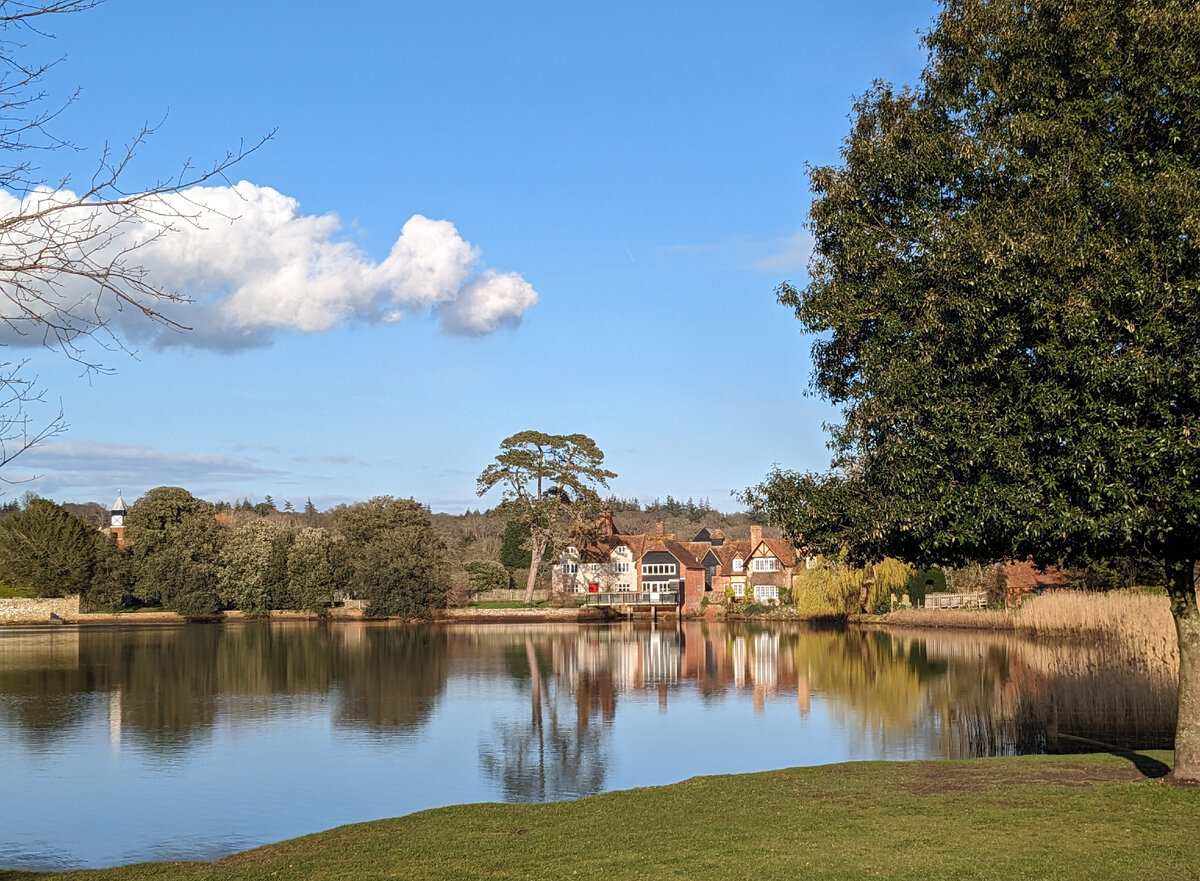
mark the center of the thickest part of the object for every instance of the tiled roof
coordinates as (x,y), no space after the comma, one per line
(782,550)
(676,549)
(726,552)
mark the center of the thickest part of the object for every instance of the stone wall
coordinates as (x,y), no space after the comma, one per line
(18,610)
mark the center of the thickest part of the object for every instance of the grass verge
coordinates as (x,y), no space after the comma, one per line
(1100,816)
(507,604)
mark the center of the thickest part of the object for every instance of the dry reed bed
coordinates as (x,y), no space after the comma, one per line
(1141,621)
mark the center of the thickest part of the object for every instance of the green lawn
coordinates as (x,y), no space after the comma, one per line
(8,591)
(1086,817)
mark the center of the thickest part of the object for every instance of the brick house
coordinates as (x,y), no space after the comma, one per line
(657,565)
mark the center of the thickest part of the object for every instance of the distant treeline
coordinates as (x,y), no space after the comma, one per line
(197,558)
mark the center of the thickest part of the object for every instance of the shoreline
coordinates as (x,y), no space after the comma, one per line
(58,612)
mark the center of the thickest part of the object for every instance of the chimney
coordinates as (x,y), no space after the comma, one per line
(606,522)
(659,527)
(755,537)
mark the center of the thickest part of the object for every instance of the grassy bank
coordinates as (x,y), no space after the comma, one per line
(1093,817)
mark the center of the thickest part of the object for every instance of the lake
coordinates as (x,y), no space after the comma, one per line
(125,744)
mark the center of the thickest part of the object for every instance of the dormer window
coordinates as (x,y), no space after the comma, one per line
(737,564)
(571,552)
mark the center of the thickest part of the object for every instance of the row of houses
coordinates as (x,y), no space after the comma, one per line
(661,570)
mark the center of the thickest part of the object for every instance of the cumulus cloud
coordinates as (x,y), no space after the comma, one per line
(487,302)
(253,264)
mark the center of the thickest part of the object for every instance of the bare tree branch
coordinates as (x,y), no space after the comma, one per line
(70,261)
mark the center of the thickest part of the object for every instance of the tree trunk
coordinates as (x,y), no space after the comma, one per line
(537,547)
(533,570)
(1182,589)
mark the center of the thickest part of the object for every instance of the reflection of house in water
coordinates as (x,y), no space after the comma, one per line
(632,657)
(661,657)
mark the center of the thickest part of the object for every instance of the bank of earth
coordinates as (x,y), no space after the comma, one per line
(1103,816)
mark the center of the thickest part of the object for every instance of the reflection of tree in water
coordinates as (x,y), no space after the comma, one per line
(880,690)
(41,683)
(922,693)
(390,677)
(163,686)
(963,695)
(547,757)
(163,678)
(1048,696)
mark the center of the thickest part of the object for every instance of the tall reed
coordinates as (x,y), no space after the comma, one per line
(1140,621)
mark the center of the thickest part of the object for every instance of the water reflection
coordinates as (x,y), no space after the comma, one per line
(554,753)
(983,693)
(389,719)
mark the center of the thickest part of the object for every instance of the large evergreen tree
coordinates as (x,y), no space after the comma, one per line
(1006,284)
(47,550)
(175,544)
(550,481)
(396,557)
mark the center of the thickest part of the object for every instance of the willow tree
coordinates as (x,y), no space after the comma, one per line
(549,481)
(1005,285)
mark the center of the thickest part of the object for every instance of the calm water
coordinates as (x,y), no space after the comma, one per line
(188,742)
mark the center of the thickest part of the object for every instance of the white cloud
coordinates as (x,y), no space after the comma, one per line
(253,264)
(487,302)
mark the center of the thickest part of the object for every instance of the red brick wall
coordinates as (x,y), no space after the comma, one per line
(693,589)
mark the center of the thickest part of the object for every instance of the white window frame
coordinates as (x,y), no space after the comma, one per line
(766,593)
(570,568)
(739,589)
(622,567)
(766,564)
(659,568)
(737,564)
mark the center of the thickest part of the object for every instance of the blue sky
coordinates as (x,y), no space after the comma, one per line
(597,201)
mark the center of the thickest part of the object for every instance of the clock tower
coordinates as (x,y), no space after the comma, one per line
(117,526)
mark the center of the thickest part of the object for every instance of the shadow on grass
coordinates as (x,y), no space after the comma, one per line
(1148,766)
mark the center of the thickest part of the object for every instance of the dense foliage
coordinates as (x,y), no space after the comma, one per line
(1005,285)
(397,558)
(47,550)
(176,543)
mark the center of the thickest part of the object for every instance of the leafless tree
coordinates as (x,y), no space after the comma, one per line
(69,260)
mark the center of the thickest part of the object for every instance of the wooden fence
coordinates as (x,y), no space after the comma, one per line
(510,596)
(956,600)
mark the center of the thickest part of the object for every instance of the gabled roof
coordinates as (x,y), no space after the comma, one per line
(680,552)
(601,550)
(726,552)
(778,548)
(635,543)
